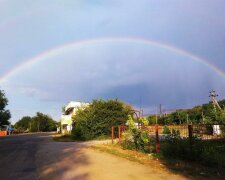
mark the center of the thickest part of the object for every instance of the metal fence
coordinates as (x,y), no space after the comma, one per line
(191,131)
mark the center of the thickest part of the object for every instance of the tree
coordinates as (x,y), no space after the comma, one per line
(98,118)
(42,122)
(24,123)
(4,114)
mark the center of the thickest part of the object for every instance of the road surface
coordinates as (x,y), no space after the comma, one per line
(37,156)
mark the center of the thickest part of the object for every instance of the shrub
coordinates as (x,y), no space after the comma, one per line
(210,153)
(166,130)
(98,118)
(135,138)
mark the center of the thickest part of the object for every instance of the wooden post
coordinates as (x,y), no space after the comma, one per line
(157,138)
(190,135)
(119,132)
(112,134)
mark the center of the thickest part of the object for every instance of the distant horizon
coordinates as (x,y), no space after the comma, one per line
(138,108)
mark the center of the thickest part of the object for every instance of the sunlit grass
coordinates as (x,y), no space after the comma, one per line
(189,169)
(63,138)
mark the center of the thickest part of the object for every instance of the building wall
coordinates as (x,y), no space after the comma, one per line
(71,109)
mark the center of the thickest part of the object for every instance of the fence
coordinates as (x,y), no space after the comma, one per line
(159,133)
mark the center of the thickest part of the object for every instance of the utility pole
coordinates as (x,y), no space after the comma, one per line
(141,111)
(213,96)
(203,118)
(160,110)
(187,118)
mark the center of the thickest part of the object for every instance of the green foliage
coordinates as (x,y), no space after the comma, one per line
(24,123)
(135,138)
(176,147)
(195,114)
(39,123)
(210,153)
(215,117)
(199,114)
(151,119)
(179,117)
(98,118)
(131,122)
(4,114)
(144,121)
(42,122)
(166,130)
(165,120)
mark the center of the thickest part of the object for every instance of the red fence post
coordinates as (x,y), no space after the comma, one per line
(157,138)
(112,134)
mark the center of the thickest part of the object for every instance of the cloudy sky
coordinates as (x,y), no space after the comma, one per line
(145,52)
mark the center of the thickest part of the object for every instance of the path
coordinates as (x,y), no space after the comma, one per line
(37,156)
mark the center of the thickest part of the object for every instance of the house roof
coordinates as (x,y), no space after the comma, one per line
(75,104)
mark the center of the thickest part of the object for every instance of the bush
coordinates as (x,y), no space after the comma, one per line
(135,138)
(222,127)
(210,153)
(98,118)
(166,130)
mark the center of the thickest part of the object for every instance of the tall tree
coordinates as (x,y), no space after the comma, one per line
(24,123)
(42,122)
(4,114)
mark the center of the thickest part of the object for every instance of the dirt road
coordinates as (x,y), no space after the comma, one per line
(39,157)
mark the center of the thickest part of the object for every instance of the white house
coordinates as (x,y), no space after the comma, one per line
(70,111)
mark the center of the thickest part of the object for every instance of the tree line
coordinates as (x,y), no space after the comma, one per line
(205,113)
(38,123)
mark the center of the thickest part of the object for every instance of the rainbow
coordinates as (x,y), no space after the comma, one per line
(53,52)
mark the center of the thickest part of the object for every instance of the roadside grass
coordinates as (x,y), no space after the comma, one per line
(116,149)
(102,137)
(63,138)
(69,138)
(193,170)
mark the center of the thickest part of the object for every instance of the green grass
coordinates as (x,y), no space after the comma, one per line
(63,138)
(69,138)
(103,137)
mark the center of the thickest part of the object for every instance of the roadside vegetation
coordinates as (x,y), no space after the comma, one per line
(209,153)
(205,113)
(39,123)
(190,169)
(96,120)
(4,113)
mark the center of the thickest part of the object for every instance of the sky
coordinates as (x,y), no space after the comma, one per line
(145,53)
